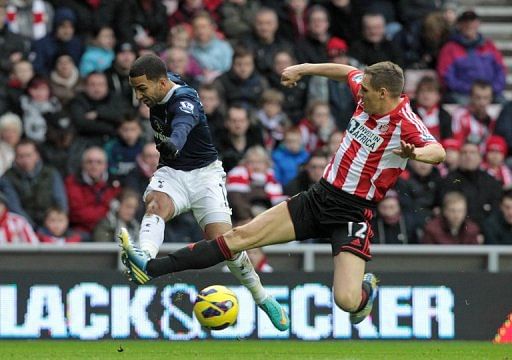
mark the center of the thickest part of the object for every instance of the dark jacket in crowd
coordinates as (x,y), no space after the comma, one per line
(437,232)
(369,53)
(235,90)
(497,231)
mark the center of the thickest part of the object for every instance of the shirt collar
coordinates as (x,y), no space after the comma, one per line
(169,94)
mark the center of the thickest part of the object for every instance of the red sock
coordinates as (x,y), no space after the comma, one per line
(224,247)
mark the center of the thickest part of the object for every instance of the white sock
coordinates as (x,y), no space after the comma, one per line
(243,270)
(151,235)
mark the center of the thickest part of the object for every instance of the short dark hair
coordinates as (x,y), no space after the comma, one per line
(27,141)
(151,66)
(483,84)
(241,52)
(507,194)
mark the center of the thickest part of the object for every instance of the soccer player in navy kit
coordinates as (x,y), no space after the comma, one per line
(189,175)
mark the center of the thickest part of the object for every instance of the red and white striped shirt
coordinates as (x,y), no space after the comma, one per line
(364,164)
(464,124)
(15,229)
(503,174)
(240,180)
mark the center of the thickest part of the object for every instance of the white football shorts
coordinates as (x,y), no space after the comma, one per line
(201,190)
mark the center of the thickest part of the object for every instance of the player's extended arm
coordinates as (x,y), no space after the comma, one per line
(432,153)
(294,73)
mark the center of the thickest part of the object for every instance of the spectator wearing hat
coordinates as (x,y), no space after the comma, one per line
(474,119)
(451,163)
(98,56)
(476,184)
(35,103)
(495,153)
(118,74)
(63,148)
(64,79)
(452,226)
(467,57)
(391,225)
(427,104)
(497,228)
(336,93)
(37,185)
(14,228)
(62,40)
(374,47)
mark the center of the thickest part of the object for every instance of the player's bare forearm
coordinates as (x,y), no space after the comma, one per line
(294,73)
(431,154)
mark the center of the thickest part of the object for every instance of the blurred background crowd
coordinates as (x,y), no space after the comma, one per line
(76,150)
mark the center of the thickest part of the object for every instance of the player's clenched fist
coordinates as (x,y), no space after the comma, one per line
(291,75)
(168,150)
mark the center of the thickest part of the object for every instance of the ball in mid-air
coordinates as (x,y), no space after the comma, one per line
(216,307)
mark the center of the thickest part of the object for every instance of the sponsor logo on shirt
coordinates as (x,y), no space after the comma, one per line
(187,107)
(365,136)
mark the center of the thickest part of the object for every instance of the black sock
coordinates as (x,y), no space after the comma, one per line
(200,255)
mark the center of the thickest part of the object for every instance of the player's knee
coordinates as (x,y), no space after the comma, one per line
(347,301)
(242,237)
(159,207)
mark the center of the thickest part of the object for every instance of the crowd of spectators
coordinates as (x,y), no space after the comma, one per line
(76,150)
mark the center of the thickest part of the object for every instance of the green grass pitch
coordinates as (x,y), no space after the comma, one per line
(247,349)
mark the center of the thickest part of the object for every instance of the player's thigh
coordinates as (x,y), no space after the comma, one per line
(208,199)
(348,277)
(216,229)
(273,226)
(165,194)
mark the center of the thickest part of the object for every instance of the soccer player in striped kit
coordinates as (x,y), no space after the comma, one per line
(382,135)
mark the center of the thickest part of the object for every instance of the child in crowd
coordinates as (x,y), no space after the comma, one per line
(289,156)
(317,127)
(122,151)
(100,54)
(122,214)
(56,228)
(495,153)
(272,118)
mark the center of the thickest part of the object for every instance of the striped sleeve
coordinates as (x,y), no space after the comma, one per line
(414,130)
(354,79)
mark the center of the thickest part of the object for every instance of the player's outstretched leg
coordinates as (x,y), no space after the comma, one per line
(242,268)
(370,287)
(134,259)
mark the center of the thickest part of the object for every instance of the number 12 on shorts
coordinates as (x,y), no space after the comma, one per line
(357,229)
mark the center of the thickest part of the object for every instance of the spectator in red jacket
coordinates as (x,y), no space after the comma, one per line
(90,191)
(467,57)
(452,226)
(56,228)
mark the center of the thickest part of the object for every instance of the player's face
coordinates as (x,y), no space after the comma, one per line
(147,91)
(369,96)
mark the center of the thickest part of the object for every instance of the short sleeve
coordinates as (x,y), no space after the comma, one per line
(355,77)
(415,132)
